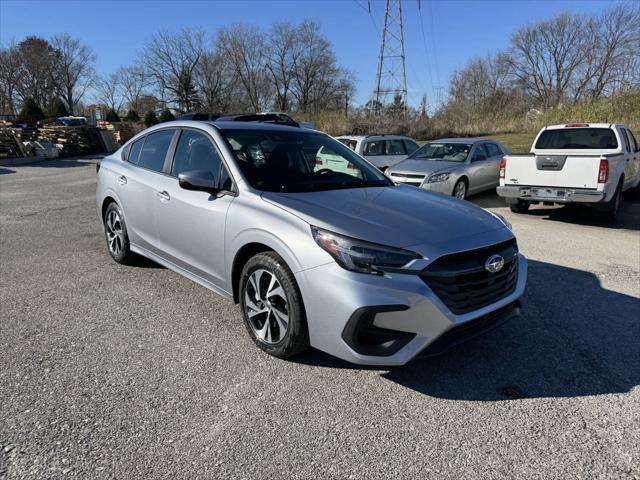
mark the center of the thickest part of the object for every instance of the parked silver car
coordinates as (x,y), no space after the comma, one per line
(383,151)
(342,260)
(453,166)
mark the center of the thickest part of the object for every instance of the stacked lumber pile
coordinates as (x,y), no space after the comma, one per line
(122,131)
(70,141)
(10,144)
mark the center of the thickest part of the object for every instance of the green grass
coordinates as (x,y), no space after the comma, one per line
(515,142)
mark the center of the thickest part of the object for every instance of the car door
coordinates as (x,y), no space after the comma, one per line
(635,156)
(191,224)
(395,151)
(495,156)
(479,168)
(137,186)
(373,151)
(628,154)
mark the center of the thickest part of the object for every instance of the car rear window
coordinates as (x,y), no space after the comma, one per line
(577,139)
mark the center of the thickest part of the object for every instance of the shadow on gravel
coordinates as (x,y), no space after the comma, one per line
(67,162)
(6,171)
(489,199)
(628,219)
(574,339)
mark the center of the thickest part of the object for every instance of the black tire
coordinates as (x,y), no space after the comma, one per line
(608,212)
(460,189)
(521,206)
(114,225)
(296,336)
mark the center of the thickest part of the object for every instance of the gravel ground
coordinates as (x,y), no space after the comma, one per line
(129,372)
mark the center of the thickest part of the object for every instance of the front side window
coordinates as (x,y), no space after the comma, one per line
(480,153)
(627,144)
(395,147)
(374,148)
(155,149)
(577,139)
(274,160)
(444,151)
(195,152)
(634,142)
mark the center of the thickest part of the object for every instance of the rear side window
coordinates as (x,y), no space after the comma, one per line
(480,153)
(625,137)
(493,149)
(155,149)
(348,142)
(395,147)
(634,142)
(374,148)
(577,138)
(195,152)
(134,151)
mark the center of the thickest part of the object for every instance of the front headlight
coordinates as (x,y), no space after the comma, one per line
(502,219)
(360,256)
(439,177)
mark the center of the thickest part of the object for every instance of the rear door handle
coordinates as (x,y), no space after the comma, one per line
(164,195)
(122,180)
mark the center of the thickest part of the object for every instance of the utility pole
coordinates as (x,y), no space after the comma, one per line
(391,78)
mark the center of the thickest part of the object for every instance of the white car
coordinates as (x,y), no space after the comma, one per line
(383,151)
(575,163)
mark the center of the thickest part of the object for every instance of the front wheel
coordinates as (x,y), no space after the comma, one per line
(460,189)
(272,306)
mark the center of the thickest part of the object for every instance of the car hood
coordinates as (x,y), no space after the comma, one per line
(424,167)
(399,216)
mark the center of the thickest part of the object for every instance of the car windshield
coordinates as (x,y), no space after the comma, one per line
(577,138)
(450,152)
(288,161)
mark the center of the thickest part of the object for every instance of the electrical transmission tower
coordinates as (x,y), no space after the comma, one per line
(391,78)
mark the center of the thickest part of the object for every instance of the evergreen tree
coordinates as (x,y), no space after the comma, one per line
(57,108)
(132,116)
(150,119)
(31,111)
(112,116)
(166,115)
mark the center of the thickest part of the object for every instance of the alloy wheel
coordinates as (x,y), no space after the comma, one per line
(266,306)
(115,234)
(460,190)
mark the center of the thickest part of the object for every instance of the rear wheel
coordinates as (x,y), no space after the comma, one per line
(609,212)
(272,306)
(521,206)
(460,189)
(115,231)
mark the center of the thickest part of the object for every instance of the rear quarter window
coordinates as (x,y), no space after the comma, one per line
(577,139)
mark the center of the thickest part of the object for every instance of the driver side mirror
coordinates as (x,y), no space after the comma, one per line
(198,180)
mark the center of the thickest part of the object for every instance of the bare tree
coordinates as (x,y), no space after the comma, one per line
(283,49)
(214,79)
(109,90)
(171,59)
(36,70)
(133,81)
(245,48)
(74,72)
(10,77)
(546,55)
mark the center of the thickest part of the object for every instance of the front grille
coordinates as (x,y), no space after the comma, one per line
(462,283)
(408,178)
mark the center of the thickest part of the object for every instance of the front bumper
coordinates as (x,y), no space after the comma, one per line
(400,306)
(550,194)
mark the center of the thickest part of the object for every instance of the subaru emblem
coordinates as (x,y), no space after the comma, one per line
(494,264)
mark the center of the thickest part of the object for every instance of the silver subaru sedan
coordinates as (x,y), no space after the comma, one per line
(332,256)
(453,166)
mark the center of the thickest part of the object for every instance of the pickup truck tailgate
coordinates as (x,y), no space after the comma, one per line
(571,171)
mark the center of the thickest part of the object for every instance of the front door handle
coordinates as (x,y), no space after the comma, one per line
(122,180)
(164,195)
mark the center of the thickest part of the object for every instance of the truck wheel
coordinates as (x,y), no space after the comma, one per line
(521,207)
(609,211)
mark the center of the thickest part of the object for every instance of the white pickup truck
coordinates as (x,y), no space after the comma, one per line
(579,162)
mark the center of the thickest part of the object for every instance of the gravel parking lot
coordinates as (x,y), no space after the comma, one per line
(128,372)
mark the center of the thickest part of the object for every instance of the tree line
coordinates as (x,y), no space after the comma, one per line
(566,59)
(289,67)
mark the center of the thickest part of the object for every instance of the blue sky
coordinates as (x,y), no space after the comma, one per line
(456,30)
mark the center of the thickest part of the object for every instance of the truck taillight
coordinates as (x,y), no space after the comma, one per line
(603,171)
(318,161)
(351,166)
(503,166)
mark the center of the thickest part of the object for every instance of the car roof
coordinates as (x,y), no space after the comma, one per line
(462,140)
(374,137)
(259,126)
